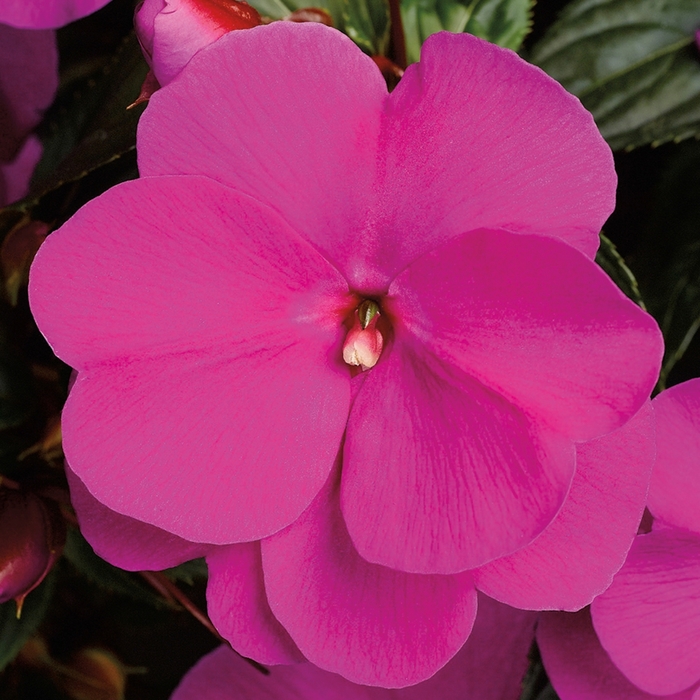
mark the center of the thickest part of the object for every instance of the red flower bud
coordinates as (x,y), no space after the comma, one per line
(172,31)
(32,535)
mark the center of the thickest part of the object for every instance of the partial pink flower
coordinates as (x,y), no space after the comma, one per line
(490,666)
(172,31)
(46,14)
(214,403)
(28,84)
(580,669)
(649,619)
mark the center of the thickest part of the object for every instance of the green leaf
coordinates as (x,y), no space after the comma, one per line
(81,555)
(504,22)
(633,63)
(93,126)
(15,632)
(366,22)
(189,571)
(613,263)
(277,9)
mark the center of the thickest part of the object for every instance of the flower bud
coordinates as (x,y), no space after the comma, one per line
(93,674)
(32,535)
(171,32)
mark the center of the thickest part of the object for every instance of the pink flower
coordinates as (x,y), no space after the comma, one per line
(28,83)
(46,14)
(490,666)
(213,404)
(648,621)
(172,31)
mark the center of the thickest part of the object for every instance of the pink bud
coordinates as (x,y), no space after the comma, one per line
(171,32)
(32,535)
(364,342)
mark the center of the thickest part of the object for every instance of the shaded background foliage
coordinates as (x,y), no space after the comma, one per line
(633,63)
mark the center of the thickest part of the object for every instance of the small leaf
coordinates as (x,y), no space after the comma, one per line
(81,555)
(634,64)
(189,571)
(15,632)
(503,22)
(613,263)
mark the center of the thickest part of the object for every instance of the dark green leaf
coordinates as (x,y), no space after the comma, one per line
(15,632)
(633,63)
(80,554)
(504,22)
(94,127)
(613,263)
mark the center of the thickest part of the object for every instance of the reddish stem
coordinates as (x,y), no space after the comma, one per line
(167,588)
(398,39)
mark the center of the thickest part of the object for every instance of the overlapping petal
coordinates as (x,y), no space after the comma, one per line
(511,311)
(450,154)
(489,666)
(579,668)
(441,474)
(46,14)
(163,423)
(575,558)
(371,624)
(127,543)
(671,496)
(238,606)
(647,620)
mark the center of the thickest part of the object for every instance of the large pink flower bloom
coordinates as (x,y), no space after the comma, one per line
(28,83)
(213,401)
(46,14)
(490,666)
(649,619)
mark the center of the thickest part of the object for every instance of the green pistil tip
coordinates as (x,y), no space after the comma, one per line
(367,310)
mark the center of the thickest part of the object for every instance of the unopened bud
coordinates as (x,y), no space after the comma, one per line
(93,674)
(171,32)
(364,342)
(32,535)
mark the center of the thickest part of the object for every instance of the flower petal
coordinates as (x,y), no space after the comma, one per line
(475,137)
(536,321)
(238,607)
(125,542)
(308,149)
(370,624)
(440,474)
(678,460)
(46,14)
(490,666)
(208,343)
(649,619)
(575,558)
(578,666)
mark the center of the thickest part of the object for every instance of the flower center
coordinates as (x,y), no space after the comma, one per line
(364,342)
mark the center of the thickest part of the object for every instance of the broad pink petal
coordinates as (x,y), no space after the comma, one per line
(125,542)
(46,14)
(678,461)
(238,607)
(490,666)
(575,558)
(441,474)
(475,137)
(370,624)
(577,665)
(16,175)
(28,83)
(194,399)
(536,321)
(649,619)
(308,149)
